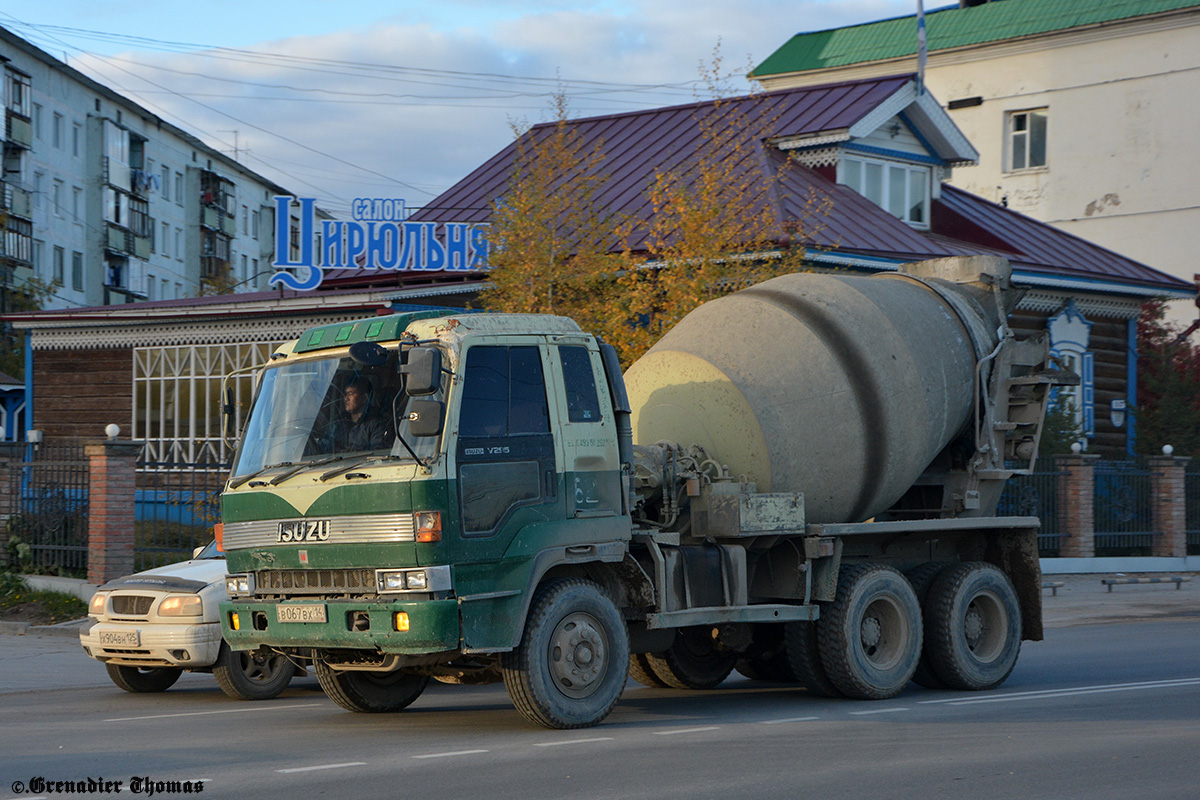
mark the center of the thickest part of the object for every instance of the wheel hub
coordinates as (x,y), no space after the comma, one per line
(577,655)
(973,627)
(871,633)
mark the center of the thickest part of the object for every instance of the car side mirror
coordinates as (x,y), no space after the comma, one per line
(425,417)
(423,370)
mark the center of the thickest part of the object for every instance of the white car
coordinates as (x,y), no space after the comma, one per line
(150,627)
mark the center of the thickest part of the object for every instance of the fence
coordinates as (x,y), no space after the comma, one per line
(1191,492)
(176,505)
(1123,510)
(1035,495)
(48,507)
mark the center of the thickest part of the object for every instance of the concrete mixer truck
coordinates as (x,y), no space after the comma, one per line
(799,481)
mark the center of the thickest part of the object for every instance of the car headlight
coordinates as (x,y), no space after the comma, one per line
(239,585)
(96,604)
(181,605)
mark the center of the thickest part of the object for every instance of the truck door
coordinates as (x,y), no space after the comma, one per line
(592,475)
(507,471)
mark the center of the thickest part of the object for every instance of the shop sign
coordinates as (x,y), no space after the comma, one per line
(378,237)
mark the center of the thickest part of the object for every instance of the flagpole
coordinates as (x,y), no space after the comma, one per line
(921,48)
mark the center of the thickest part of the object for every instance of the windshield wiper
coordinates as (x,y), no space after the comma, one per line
(303,465)
(238,481)
(347,467)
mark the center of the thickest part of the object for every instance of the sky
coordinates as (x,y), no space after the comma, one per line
(367,98)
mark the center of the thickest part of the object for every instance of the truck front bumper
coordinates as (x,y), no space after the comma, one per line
(432,626)
(186,645)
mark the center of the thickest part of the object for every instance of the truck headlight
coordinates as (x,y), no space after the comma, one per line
(417,580)
(425,579)
(96,604)
(181,605)
(239,585)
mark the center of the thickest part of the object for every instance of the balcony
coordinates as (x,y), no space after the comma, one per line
(17,201)
(19,130)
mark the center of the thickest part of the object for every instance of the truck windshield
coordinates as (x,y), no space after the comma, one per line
(326,409)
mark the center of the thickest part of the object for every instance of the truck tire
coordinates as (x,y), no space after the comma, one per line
(767,659)
(572,663)
(693,660)
(870,639)
(370,692)
(140,679)
(922,578)
(640,671)
(248,675)
(804,659)
(973,626)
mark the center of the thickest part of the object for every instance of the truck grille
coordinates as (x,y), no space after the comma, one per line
(315,581)
(131,604)
(368,528)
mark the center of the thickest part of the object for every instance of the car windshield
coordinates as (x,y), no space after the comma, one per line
(327,410)
(210,551)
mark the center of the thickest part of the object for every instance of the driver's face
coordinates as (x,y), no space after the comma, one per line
(354,399)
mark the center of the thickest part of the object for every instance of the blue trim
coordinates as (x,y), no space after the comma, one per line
(924,142)
(28,386)
(893,154)
(1042,279)
(1131,379)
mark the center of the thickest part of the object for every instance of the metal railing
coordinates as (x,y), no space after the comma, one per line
(1122,506)
(176,505)
(1035,495)
(48,507)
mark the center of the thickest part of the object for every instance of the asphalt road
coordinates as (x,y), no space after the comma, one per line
(1095,711)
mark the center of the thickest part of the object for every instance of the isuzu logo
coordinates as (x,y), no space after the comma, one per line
(304,530)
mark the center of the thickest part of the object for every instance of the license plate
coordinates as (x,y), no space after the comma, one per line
(120,638)
(301,613)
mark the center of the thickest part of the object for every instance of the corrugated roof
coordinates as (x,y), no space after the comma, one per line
(636,145)
(953,27)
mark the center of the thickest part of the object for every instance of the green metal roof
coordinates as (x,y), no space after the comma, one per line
(952,27)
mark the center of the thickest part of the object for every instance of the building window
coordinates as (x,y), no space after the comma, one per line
(166,241)
(77,203)
(254,223)
(60,256)
(166,182)
(77,140)
(39,189)
(901,189)
(1026,139)
(150,287)
(77,271)
(39,253)
(179,188)
(56,197)
(37,122)
(56,131)
(19,94)
(177,398)
(179,244)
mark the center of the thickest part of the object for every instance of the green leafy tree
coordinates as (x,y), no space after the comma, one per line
(32,296)
(1168,407)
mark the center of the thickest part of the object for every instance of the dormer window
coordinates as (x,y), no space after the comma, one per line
(901,189)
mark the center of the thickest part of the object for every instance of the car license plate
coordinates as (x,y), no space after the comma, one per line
(120,638)
(308,612)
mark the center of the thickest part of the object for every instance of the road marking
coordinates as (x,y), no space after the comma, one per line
(1045,694)
(574,741)
(451,753)
(674,731)
(324,766)
(877,711)
(788,719)
(272,707)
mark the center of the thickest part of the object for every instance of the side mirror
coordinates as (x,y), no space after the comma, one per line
(227,415)
(423,370)
(425,417)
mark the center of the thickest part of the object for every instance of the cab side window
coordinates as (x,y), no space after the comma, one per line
(583,404)
(504,393)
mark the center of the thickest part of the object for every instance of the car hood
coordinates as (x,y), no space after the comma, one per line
(186,576)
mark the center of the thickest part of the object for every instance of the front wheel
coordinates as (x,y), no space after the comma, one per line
(139,680)
(871,638)
(370,692)
(252,674)
(572,663)
(973,626)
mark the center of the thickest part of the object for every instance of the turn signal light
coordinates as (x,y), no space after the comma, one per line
(428,525)
(401,620)
(234,622)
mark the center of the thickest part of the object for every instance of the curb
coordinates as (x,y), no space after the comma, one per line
(63,629)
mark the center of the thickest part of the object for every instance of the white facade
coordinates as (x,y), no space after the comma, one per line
(112,203)
(1114,107)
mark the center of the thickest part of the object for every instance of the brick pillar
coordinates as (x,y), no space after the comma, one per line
(1168,505)
(1076,499)
(112,468)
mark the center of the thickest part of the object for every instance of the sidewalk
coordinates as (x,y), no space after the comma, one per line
(1084,600)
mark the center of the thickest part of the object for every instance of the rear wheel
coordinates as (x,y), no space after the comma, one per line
(922,578)
(370,692)
(693,661)
(252,674)
(572,663)
(804,658)
(139,679)
(974,626)
(871,637)
(640,671)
